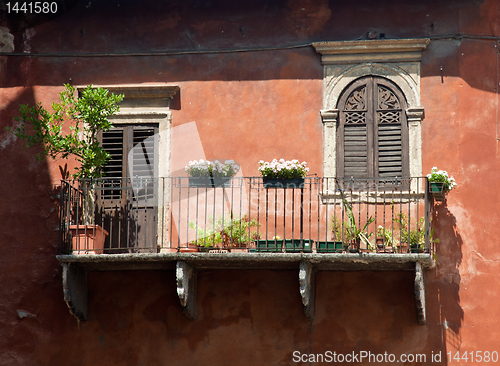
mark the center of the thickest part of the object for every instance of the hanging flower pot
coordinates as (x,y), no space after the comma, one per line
(283,174)
(210,182)
(437,190)
(283,182)
(440,183)
(211,174)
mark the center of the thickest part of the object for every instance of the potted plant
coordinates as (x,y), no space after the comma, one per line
(205,173)
(355,234)
(385,240)
(87,114)
(336,245)
(283,174)
(414,238)
(226,232)
(440,183)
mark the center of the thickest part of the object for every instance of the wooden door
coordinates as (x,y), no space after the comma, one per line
(127,199)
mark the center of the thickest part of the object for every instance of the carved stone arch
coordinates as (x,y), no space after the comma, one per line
(397,75)
(397,60)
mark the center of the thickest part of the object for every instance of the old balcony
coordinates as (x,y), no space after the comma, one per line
(245,222)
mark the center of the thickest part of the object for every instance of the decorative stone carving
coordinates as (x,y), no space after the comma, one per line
(186,279)
(330,119)
(397,60)
(307,280)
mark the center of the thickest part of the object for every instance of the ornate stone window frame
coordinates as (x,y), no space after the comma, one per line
(345,61)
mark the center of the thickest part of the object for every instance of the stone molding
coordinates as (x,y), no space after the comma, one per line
(397,60)
(383,50)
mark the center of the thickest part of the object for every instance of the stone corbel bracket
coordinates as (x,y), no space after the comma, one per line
(420,293)
(75,288)
(75,273)
(187,283)
(307,286)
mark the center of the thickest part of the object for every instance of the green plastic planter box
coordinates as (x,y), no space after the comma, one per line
(329,247)
(271,245)
(298,246)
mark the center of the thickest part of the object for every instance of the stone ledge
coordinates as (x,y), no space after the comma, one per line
(323,261)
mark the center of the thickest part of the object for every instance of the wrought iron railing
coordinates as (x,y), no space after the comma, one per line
(245,214)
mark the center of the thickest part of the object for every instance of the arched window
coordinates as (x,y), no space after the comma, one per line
(372,134)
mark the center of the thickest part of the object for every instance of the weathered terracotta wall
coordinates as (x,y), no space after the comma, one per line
(250,106)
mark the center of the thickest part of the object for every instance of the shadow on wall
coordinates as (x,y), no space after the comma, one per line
(449,254)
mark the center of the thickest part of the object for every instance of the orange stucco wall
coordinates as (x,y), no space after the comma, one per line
(248,106)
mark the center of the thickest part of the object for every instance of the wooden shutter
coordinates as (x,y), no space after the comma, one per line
(372,133)
(127,202)
(143,153)
(354,149)
(389,162)
(113,171)
(143,162)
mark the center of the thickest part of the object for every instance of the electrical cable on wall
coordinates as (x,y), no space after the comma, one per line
(234,50)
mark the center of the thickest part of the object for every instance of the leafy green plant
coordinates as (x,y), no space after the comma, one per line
(414,237)
(87,115)
(352,229)
(386,234)
(225,231)
(339,230)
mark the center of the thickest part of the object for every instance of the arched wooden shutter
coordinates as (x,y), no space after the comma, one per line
(372,135)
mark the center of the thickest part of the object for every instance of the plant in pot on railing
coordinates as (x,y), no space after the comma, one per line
(283,173)
(440,183)
(71,130)
(225,232)
(206,173)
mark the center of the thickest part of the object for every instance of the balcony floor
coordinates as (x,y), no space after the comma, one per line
(322,261)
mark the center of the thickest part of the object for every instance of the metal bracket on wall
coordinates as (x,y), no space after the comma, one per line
(187,283)
(307,283)
(75,288)
(420,293)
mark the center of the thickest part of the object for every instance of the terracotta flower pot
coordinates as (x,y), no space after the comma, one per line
(87,239)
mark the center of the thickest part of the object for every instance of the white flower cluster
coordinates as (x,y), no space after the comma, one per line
(216,169)
(283,168)
(442,176)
